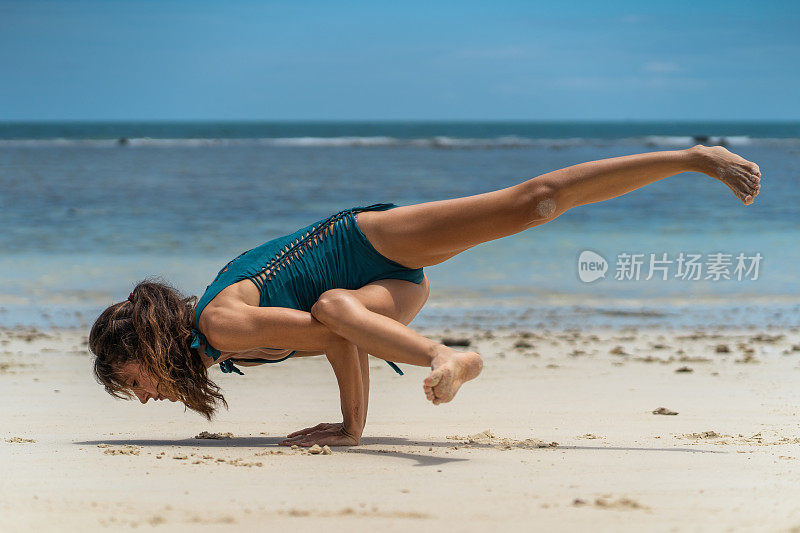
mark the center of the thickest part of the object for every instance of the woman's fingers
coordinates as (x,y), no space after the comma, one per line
(297,439)
(330,436)
(306,430)
(337,440)
(329,439)
(314,438)
(300,439)
(322,425)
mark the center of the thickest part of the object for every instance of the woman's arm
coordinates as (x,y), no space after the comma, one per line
(344,358)
(318,433)
(240,327)
(363,360)
(347,361)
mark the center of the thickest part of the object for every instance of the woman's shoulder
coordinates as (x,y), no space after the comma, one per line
(224,306)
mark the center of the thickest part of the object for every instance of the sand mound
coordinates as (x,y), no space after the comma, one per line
(487,438)
(207,435)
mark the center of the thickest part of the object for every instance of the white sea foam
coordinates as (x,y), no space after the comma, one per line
(736,140)
(442,142)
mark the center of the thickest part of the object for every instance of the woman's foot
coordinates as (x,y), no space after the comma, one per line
(451,369)
(742,176)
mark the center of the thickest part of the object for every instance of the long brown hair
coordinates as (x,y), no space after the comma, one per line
(153,329)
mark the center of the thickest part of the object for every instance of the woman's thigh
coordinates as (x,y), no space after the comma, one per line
(398,299)
(428,233)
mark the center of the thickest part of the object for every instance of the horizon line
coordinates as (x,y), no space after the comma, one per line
(368,121)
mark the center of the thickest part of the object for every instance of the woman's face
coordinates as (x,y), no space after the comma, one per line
(141,383)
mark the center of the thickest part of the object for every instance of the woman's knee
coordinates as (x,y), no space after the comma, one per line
(335,304)
(542,201)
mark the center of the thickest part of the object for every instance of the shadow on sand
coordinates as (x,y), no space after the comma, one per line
(420,459)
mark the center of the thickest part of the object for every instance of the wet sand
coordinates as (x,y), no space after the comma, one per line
(558,433)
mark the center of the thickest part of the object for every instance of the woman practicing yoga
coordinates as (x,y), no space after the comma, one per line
(348,285)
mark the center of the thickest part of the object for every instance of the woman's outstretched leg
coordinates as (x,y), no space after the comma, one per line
(431,232)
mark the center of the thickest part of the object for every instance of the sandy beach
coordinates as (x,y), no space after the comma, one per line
(557,434)
(603,199)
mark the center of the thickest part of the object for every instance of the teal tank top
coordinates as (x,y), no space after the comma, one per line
(294,270)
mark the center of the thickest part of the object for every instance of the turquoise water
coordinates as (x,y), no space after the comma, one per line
(85,215)
(394,132)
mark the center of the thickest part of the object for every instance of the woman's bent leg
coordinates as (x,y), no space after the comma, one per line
(388,339)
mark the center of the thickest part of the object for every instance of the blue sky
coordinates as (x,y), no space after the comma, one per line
(339,60)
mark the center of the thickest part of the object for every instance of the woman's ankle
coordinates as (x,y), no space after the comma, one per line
(697,159)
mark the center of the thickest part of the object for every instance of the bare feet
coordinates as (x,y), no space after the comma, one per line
(742,176)
(451,369)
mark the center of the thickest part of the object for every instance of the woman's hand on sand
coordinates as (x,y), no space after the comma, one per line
(319,427)
(332,434)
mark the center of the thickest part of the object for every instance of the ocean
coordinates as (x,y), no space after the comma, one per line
(89,209)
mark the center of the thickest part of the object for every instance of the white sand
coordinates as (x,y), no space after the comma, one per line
(104,464)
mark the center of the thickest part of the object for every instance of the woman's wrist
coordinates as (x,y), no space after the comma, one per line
(354,425)
(351,431)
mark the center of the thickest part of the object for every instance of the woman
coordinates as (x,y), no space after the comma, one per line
(348,285)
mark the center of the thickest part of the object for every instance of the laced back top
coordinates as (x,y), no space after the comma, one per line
(293,270)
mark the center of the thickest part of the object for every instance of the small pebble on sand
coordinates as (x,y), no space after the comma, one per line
(19,440)
(664,411)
